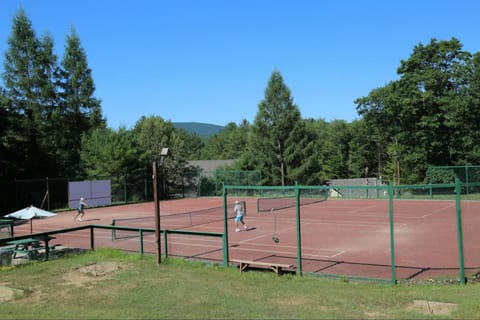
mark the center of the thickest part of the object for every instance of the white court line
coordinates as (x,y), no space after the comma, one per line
(194,245)
(339,253)
(266,235)
(307,221)
(436,211)
(350,223)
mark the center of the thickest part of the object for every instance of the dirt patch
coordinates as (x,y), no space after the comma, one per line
(375,315)
(293,301)
(432,307)
(7,293)
(86,275)
(83,277)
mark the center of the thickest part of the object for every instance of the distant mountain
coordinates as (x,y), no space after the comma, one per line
(204,130)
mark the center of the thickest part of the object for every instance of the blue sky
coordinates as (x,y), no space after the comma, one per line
(210,60)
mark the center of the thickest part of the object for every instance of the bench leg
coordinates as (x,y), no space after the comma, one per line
(277,270)
(243,266)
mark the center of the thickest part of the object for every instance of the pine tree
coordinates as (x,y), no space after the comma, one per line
(82,111)
(272,133)
(7,141)
(23,90)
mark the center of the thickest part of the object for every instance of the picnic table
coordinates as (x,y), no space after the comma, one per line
(30,247)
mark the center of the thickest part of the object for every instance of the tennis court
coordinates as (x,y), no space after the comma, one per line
(338,237)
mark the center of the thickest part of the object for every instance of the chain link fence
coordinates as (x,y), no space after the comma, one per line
(52,193)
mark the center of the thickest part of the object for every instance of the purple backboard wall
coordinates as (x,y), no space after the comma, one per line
(96,193)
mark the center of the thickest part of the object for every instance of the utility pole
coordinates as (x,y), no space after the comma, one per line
(156,199)
(157,210)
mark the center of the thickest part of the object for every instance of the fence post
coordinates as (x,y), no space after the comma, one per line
(141,241)
(458,191)
(430,181)
(299,233)
(199,179)
(16,192)
(392,234)
(165,242)
(113,230)
(466,179)
(145,188)
(92,239)
(125,188)
(225,228)
(48,195)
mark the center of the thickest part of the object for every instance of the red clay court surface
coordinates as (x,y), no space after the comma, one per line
(338,237)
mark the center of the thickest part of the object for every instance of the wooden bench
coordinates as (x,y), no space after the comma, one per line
(275,266)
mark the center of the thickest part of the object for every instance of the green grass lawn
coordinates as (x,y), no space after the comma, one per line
(109,284)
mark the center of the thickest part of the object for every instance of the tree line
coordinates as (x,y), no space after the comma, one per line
(46,104)
(51,124)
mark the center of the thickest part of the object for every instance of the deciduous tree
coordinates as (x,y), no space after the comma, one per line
(425,117)
(230,143)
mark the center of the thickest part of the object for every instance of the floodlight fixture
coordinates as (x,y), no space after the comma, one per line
(165,152)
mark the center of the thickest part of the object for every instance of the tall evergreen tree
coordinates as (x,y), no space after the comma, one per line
(275,122)
(82,111)
(301,155)
(23,89)
(51,108)
(7,138)
(51,136)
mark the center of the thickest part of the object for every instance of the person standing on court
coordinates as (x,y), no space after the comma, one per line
(80,209)
(239,213)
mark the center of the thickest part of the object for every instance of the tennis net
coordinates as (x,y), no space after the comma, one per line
(174,221)
(285,201)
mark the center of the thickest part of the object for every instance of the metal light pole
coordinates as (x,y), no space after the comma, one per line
(156,200)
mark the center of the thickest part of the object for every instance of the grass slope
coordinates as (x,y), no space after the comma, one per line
(109,284)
